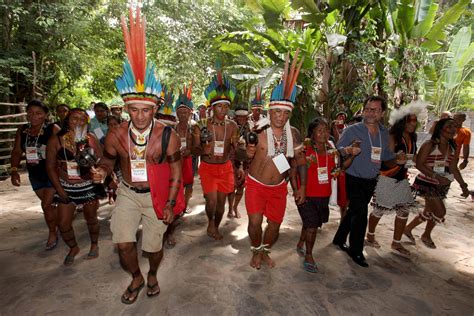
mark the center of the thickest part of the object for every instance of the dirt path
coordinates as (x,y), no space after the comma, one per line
(202,277)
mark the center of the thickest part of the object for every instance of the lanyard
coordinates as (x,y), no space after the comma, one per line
(316,154)
(380,139)
(37,136)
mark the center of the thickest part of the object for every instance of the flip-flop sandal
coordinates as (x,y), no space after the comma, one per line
(150,289)
(51,246)
(410,237)
(429,243)
(300,251)
(402,252)
(92,254)
(372,243)
(130,290)
(69,260)
(310,267)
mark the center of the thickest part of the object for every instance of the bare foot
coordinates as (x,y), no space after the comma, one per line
(256,260)
(269,261)
(400,250)
(237,214)
(211,230)
(217,235)
(170,241)
(370,241)
(428,241)
(230,215)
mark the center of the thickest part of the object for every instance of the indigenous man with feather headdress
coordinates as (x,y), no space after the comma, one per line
(213,140)
(150,161)
(277,147)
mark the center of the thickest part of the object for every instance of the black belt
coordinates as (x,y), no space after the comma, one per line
(136,190)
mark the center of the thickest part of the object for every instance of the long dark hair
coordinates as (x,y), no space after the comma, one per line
(314,124)
(399,127)
(435,138)
(65,126)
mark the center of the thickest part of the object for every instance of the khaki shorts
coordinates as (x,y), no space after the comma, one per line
(131,209)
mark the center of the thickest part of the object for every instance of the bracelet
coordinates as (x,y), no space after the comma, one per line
(171,202)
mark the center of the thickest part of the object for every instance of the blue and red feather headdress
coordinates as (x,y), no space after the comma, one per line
(284,94)
(221,89)
(138,83)
(257,102)
(185,98)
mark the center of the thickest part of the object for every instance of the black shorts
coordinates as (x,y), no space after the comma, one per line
(314,212)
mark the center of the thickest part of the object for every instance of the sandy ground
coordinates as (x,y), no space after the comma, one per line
(201,276)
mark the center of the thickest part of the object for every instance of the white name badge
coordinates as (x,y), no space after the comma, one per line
(281,163)
(323,176)
(376,154)
(410,163)
(183,143)
(219,148)
(98,132)
(138,170)
(439,166)
(32,155)
(73,171)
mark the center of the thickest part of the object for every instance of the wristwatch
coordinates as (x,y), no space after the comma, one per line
(171,202)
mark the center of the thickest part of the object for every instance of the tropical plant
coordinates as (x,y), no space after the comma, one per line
(450,71)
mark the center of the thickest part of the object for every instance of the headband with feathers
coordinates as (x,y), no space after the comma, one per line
(417,108)
(167,107)
(257,102)
(220,89)
(284,94)
(138,83)
(185,97)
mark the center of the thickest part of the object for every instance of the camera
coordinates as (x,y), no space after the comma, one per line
(85,158)
(206,135)
(251,138)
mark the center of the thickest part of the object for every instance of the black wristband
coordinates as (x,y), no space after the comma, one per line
(171,202)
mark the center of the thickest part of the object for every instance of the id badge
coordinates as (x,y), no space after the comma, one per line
(73,171)
(323,176)
(376,154)
(32,155)
(183,143)
(219,148)
(98,132)
(439,166)
(410,163)
(138,170)
(281,163)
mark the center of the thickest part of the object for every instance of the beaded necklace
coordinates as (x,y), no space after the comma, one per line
(280,144)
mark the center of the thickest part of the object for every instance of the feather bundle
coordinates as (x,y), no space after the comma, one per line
(284,94)
(220,88)
(138,82)
(185,97)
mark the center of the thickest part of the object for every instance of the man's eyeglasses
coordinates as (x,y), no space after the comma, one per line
(372,110)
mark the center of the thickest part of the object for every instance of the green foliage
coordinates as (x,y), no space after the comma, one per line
(449,73)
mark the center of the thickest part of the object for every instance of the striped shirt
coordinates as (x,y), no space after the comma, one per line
(436,155)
